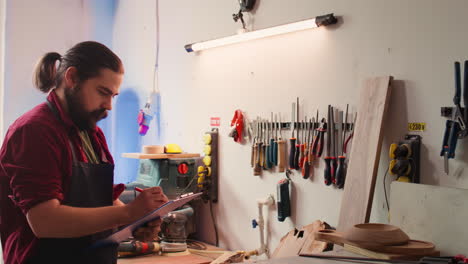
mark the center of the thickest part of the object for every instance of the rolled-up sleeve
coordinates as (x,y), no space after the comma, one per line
(36,164)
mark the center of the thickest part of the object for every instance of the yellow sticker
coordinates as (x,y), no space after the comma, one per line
(416,126)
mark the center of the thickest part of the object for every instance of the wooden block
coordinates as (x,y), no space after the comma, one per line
(229,257)
(380,255)
(301,241)
(363,164)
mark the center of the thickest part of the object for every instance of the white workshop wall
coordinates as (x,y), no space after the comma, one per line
(415,41)
(36,27)
(32,29)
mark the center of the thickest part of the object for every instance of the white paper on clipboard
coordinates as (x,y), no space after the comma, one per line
(127,231)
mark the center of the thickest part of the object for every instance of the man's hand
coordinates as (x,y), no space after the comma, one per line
(148,232)
(148,200)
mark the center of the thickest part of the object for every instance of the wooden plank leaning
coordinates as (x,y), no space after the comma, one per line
(363,165)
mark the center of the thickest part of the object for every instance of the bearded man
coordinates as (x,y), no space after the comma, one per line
(56,171)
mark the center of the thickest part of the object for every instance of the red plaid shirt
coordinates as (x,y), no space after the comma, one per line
(35,166)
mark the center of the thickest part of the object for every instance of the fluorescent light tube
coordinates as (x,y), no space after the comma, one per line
(262,33)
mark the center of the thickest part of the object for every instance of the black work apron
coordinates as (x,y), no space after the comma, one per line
(91,185)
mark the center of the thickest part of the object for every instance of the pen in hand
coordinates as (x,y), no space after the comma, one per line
(138,189)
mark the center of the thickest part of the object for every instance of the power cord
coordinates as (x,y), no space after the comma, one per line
(195,176)
(214,223)
(385,188)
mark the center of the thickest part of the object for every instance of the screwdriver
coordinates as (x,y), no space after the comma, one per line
(341,170)
(281,149)
(273,149)
(298,146)
(311,147)
(327,172)
(268,147)
(261,147)
(257,152)
(292,140)
(306,163)
(302,146)
(333,163)
(336,139)
(465,91)
(252,154)
(265,143)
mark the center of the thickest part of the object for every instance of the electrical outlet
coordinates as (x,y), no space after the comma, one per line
(208,171)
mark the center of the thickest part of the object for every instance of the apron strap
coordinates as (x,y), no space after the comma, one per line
(54,110)
(56,113)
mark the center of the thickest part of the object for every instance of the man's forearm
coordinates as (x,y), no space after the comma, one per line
(118,202)
(51,219)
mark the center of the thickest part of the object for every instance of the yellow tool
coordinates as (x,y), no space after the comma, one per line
(207,160)
(173,149)
(400,165)
(207,139)
(207,150)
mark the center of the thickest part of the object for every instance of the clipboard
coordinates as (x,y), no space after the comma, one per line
(126,231)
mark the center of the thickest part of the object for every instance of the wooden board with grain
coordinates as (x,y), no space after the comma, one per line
(300,241)
(149,259)
(363,164)
(380,255)
(159,156)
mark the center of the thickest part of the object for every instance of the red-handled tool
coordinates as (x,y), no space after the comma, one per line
(317,145)
(306,162)
(328,167)
(302,145)
(331,134)
(297,152)
(292,140)
(341,170)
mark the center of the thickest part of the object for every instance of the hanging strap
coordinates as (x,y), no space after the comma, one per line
(56,113)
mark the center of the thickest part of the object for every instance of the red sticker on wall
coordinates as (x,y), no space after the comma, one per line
(215,121)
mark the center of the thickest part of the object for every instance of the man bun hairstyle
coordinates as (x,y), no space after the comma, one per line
(87,57)
(44,74)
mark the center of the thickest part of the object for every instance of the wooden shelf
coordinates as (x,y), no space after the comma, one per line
(159,156)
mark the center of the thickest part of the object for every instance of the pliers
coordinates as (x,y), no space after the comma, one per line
(455,128)
(317,145)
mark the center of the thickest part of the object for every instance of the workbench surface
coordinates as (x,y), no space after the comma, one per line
(176,258)
(196,259)
(187,259)
(338,251)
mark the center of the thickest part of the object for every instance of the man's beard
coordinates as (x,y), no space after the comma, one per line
(83,119)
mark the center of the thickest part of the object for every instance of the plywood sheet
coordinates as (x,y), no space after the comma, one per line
(431,213)
(159,156)
(301,241)
(356,203)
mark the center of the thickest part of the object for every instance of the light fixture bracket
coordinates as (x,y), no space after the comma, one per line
(325,20)
(246,5)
